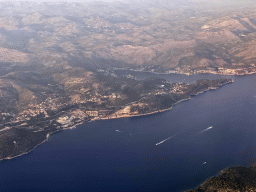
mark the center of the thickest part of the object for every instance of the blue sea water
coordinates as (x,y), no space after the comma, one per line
(97,157)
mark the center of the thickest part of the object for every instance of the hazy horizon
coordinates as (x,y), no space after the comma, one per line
(196,1)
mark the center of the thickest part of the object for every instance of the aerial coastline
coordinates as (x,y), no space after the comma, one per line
(58,62)
(115,115)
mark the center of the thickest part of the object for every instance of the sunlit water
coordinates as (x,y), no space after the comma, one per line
(217,127)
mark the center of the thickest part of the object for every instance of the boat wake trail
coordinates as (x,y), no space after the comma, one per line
(206,129)
(167,139)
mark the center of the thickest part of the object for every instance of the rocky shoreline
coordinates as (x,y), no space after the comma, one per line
(239,179)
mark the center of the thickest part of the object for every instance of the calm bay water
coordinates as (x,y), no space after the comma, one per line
(174,78)
(97,157)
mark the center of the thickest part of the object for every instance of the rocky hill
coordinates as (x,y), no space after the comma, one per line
(178,36)
(237,179)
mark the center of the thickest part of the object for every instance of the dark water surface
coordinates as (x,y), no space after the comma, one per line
(96,157)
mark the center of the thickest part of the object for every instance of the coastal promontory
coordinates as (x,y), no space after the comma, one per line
(238,179)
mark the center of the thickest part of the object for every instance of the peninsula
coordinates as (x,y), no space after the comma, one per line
(34,106)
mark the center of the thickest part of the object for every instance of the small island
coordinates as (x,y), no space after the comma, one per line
(239,179)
